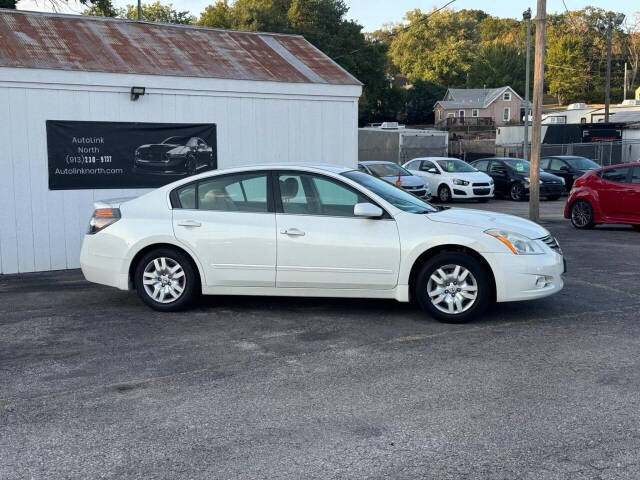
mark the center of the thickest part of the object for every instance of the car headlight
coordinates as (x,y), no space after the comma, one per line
(527,182)
(491,181)
(518,244)
(457,181)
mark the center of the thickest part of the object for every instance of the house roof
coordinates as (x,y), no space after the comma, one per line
(98,44)
(472,97)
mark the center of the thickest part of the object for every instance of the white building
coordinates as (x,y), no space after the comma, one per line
(273,99)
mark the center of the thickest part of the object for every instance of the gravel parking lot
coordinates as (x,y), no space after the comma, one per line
(95,385)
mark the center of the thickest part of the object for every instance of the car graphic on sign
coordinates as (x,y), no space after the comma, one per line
(175,155)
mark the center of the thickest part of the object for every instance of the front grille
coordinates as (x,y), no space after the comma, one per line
(481,184)
(552,243)
(481,191)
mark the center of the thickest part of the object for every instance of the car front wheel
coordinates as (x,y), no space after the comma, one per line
(453,287)
(166,280)
(517,192)
(444,194)
(582,214)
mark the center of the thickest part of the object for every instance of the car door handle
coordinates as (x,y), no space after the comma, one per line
(296,232)
(189,223)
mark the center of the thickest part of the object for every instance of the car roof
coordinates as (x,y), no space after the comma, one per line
(376,162)
(435,158)
(565,157)
(618,165)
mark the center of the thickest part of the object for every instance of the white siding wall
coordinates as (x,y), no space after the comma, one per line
(43,230)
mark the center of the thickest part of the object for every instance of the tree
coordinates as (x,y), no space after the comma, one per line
(218,15)
(567,74)
(156,12)
(421,98)
(437,47)
(496,65)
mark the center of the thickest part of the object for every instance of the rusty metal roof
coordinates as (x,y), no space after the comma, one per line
(97,44)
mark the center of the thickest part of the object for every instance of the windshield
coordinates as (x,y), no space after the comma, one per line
(582,163)
(517,165)
(453,165)
(392,194)
(174,140)
(388,170)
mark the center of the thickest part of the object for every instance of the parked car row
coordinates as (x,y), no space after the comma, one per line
(448,179)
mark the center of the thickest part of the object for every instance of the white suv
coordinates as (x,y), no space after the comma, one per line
(450,178)
(315,232)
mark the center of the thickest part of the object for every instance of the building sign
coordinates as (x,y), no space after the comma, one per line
(96,155)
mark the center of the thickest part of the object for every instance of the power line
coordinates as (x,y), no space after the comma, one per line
(402,30)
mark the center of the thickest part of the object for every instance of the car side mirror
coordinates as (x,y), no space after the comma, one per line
(367,210)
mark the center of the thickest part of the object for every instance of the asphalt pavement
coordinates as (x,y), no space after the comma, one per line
(95,385)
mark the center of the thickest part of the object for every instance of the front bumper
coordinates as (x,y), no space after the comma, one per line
(173,166)
(472,191)
(527,277)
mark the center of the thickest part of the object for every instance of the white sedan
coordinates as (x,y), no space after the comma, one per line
(316,232)
(450,178)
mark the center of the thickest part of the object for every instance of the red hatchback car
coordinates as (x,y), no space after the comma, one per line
(607,195)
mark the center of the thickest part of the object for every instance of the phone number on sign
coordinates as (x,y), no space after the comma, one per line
(87,160)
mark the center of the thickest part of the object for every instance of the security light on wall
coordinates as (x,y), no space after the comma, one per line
(136,93)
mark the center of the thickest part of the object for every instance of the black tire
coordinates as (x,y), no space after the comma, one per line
(483,200)
(581,214)
(445,261)
(553,197)
(190,288)
(517,192)
(444,194)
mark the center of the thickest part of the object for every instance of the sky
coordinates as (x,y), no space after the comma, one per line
(372,14)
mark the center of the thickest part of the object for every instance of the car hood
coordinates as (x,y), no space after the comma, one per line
(549,177)
(407,181)
(487,220)
(469,176)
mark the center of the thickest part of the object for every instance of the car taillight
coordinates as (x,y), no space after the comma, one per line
(579,182)
(102,218)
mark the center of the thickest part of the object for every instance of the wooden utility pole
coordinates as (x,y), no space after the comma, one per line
(624,90)
(538,90)
(607,86)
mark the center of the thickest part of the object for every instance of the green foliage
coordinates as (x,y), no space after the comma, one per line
(157,12)
(420,100)
(496,65)
(217,15)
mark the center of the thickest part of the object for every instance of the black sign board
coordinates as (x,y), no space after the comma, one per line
(96,155)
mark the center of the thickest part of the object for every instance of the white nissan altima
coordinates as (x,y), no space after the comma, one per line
(317,232)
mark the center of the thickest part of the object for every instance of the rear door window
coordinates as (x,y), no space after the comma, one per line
(481,165)
(635,175)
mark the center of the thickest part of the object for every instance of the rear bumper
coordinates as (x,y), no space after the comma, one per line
(101,269)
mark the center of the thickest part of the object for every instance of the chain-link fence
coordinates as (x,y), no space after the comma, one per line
(603,153)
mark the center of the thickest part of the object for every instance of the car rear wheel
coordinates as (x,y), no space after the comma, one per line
(453,287)
(444,194)
(166,280)
(517,192)
(582,214)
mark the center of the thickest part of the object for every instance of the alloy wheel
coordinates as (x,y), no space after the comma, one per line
(581,214)
(164,280)
(516,192)
(444,194)
(452,289)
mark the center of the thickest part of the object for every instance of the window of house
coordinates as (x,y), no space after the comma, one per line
(474,112)
(506,114)
(506,96)
(440,114)
(461,113)
(450,115)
